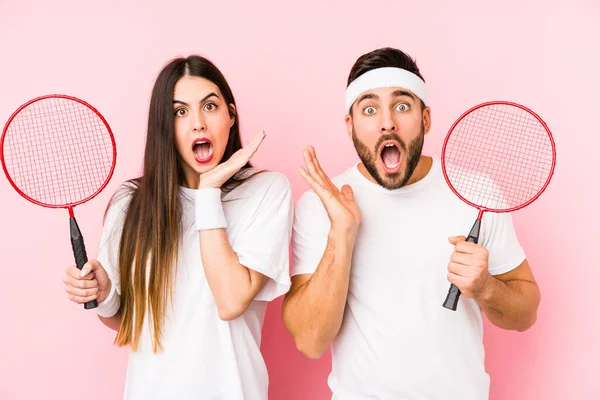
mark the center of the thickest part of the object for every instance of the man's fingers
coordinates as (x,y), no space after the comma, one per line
(321,175)
(348,192)
(321,172)
(315,160)
(457,280)
(461,258)
(455,268)
(456,239)
(320,191)
(466,247)
(311,167)
(312,182)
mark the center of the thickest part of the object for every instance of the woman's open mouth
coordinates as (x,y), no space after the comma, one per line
(203,150)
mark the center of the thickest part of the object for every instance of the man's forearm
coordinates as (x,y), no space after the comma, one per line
(313,312)
(510,305)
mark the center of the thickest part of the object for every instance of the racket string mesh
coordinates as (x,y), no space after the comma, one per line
(58,151)
(499,157)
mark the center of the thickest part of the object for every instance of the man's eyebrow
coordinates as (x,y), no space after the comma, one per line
(400,93)
(367,96)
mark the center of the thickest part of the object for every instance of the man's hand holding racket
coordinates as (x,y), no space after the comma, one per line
(468,267)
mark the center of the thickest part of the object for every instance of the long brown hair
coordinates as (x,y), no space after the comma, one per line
(153,221)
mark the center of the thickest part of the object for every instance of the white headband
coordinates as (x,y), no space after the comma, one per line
(385,77)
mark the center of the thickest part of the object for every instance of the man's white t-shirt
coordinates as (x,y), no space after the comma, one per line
(203,356)
(396,340)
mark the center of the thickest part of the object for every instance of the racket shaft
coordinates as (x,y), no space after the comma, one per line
(80,254)
(451,301)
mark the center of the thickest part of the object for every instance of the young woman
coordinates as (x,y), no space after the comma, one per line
(192,251)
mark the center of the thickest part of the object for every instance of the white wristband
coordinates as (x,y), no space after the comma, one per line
(110,306)
(209,209)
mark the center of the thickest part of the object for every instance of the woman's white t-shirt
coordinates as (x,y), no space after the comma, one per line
(204,357)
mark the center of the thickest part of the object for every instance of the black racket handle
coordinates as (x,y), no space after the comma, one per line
(451,301)
(80,254)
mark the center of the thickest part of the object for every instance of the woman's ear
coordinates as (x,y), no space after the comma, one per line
(232,114)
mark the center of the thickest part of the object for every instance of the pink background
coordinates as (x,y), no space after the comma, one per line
(287,65)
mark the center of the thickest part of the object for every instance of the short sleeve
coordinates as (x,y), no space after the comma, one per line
(500,239)
(263,245)
(108,250)
(310,234)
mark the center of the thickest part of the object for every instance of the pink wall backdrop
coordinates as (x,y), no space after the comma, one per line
(287,64)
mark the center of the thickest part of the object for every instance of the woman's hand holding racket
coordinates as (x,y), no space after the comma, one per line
(216,177)
(88,284)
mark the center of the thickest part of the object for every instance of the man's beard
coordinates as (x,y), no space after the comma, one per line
(369,158)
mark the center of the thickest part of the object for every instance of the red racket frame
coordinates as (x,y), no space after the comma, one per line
(70,205)
(76,236)
(452,298)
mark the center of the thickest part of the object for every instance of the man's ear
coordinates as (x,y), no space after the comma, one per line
(349,125)
(427,119)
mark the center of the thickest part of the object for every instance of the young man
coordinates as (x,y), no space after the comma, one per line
(376,247)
